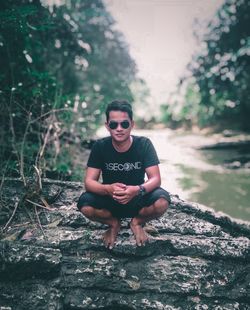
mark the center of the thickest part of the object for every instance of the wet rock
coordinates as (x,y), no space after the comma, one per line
(242,162)
(195,259)
(228,133)
(240,144)
(233,165)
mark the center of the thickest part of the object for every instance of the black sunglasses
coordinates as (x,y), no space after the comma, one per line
(124,124)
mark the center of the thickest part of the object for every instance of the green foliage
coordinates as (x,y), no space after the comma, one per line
(222,69)
(166,114)
(59,67)
(218,91)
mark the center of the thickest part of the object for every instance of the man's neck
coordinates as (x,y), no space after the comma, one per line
(122,146)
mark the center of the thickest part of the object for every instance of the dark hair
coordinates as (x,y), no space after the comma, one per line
(119,105)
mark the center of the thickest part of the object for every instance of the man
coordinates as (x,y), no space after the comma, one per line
(123,160)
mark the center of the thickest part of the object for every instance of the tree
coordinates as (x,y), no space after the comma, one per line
(59,66)
(222,69)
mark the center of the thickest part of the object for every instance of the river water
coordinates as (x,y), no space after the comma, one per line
(200,176)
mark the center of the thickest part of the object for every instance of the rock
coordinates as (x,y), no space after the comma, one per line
(195,259)
(233,165)
(227,145)
(20,261)
(237,163)
(228,133)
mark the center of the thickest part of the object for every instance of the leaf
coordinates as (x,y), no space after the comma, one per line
(54,224)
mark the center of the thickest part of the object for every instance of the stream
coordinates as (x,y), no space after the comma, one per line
(200,175)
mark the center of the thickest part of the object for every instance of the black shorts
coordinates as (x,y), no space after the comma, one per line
(118,210)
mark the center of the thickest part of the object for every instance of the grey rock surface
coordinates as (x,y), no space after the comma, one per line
(195,259)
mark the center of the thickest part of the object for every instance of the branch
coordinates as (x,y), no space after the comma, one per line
(12,216)
(39,179)
(38,205)
(3,178)
(22,151)
(50,112)
(41,152)
(12,128)
(39,222)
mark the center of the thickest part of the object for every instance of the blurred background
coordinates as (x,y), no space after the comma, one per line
(183,65)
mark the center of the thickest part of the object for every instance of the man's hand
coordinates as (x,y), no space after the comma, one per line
(124,195)
(112,188)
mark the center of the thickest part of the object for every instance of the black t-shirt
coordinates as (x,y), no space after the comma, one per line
(124,167)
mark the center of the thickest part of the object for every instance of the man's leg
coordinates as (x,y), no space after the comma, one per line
(105,217)
(146,214)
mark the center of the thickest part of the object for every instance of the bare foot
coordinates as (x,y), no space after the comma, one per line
(109,237)
(140,235)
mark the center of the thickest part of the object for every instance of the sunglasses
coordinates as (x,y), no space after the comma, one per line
(124,124)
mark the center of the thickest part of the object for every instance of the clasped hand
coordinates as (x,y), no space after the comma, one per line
(123,193)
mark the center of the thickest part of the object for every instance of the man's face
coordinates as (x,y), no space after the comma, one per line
(119,126)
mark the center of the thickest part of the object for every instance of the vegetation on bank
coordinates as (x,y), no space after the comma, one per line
(216,92)
(60,66)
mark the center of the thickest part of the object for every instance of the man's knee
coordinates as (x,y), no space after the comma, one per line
(158,208)
(161,206)
(88,211)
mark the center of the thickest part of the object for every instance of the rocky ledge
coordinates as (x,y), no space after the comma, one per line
(195,259)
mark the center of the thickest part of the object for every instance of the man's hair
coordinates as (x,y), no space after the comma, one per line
(119,105)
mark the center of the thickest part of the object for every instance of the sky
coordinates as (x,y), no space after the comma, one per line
(160,36)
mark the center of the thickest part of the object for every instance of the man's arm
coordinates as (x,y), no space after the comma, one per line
(93,185)
(154,178)
(154,181)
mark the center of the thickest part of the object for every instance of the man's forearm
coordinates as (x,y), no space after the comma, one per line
(154,178)
(97,187)
(152,184)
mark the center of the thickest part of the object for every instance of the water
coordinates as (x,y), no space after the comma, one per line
(200,176)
